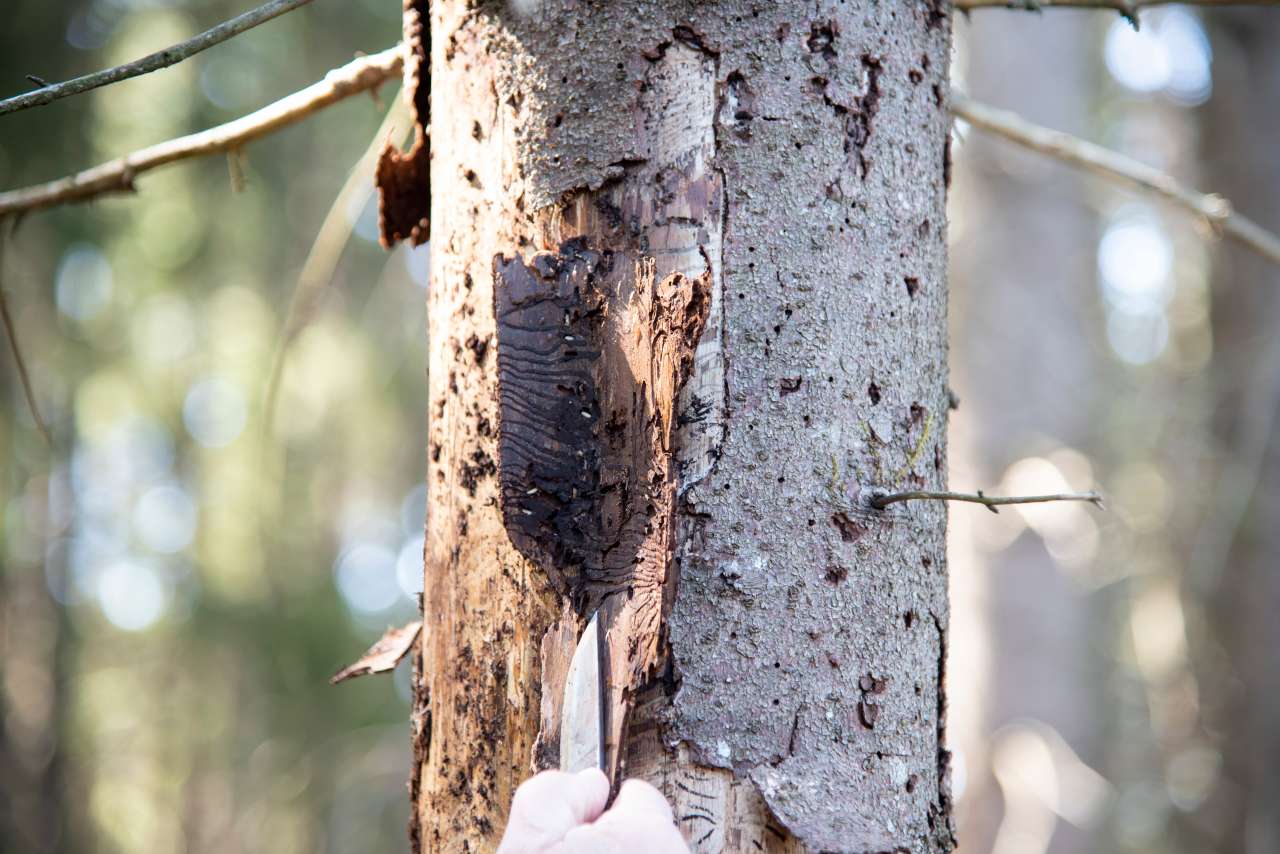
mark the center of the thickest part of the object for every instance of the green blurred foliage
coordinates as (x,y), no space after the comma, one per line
(191,579)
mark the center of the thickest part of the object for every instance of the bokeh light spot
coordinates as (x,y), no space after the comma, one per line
(366,578)
(214,412)
(83,282)
(131,595)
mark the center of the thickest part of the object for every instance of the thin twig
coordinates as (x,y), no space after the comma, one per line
(1128,8)
(335,231)
(1213,209)
(118,176)
(881,500)
(19,362)
(153,62)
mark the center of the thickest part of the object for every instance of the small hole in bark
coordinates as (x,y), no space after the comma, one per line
(873,392)
(926,561)
(911,783)
(850,530)
(777,665)
(782,480)
(812,522)
(913,285)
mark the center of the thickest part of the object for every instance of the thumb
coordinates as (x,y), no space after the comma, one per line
(548,806)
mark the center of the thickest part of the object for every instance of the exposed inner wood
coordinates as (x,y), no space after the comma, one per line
(592,352)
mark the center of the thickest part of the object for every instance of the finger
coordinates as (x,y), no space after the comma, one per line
(639,820)
(549,805)
(623,833)
(594,839)
(637,796)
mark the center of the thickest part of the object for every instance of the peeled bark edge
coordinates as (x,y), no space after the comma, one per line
(403,178)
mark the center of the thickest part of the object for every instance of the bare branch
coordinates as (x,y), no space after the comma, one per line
(118,176)
(1213,209)
(19,362)
(881,500)
(49,93)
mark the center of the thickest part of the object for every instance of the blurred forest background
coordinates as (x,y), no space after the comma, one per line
(178,581)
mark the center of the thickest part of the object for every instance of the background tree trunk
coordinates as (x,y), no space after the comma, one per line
(1235,557)
(1025,321)
(796,154)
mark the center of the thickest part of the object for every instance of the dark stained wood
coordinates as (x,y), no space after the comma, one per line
(592,354)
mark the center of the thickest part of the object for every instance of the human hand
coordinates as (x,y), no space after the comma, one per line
(560,813)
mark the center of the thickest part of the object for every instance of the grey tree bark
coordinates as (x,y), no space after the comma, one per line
(793,158)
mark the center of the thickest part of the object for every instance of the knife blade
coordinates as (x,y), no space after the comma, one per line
(582,712)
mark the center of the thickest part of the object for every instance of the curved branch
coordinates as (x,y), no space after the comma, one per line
(1213,209)
(15,349)
(153,62)
(881,500)
(117,176)
(322,259)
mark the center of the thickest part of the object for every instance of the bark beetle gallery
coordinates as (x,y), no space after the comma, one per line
(592,352)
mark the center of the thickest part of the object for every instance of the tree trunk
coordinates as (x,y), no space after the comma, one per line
(1235,557)
(771,175)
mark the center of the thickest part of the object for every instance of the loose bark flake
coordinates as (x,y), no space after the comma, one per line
(404,178)
(384,655)
(593,350)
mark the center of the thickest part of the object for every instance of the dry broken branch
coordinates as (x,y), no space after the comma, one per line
(153,62)
(360,75)
(1213,209)
(881,500)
